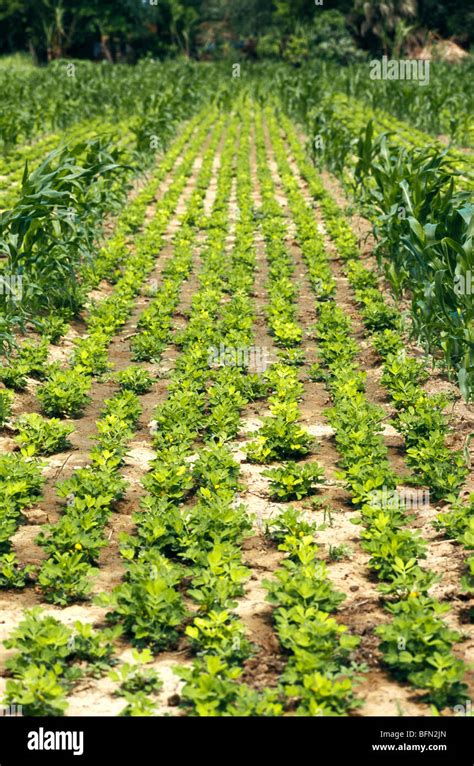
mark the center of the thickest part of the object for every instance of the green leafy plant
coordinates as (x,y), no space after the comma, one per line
(45,436)
(79,530)
(136,678)
(219,578)
(64,393)
(219,633)
(6,399)
(54,327)
(94,647)
(339,552)
(124,406)
(212,688)
(65,578)
(134,378)
(293,481)
(280,437)
(38,691)
(138,705)
(389,546)
(12,575)
(94,481)
(90,354)
(302,579)
(21,480)
(417,646)
(30,360)
(148,605)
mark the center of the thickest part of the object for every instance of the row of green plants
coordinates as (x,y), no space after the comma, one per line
(420,417)
(444,105)
(50,657)
(280,436)
(64,578)
(190,529)
(320,675)
(154,328)
(51,234)
(107,261)
(74,543)
(65,392)
(352,117)
(53,226)
(416,644)
(13,164)
(28,359)
(418,198)
(153,95)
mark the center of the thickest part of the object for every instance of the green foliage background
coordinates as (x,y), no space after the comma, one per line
(125,30)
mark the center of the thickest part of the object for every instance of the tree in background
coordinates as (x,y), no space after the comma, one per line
(51,28)
(294,29)
(449,18)
(384,22)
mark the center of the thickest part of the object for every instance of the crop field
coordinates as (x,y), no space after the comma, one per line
(236,392)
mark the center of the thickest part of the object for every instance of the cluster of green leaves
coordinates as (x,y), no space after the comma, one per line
(50,657)
(458,524)
(212,688)
(293,481)
(417,646)
(52,227)
(65,393)
(280,436)
(44,437)
(136,684)
(148,605)
(75,541)
(135,379)
(421,420)
(21,482)
(28,360)
(6,399)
